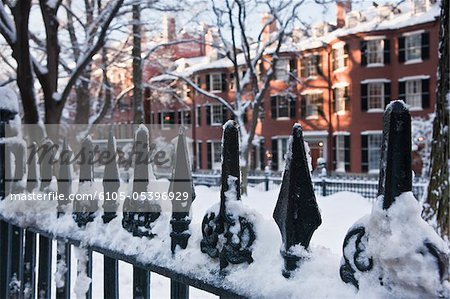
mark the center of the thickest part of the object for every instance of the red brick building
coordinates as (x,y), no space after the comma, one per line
(336,83)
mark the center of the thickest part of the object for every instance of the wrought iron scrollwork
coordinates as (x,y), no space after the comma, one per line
(220,238)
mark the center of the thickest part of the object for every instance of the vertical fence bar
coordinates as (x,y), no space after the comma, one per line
(141,283)
(45,268)
(178,290)
(14,272)
(89,273)
(3,257)
(29,265)
(63,258)
(110,277)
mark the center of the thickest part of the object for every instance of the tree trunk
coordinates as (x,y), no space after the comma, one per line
(21,53)
(437,205)
(137,66)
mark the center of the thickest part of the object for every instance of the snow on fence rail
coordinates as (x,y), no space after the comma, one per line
(153,241)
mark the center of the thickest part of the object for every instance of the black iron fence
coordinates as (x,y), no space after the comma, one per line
(323,186)
(227,229)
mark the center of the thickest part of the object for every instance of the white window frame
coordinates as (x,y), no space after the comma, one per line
(312,111)
(413,94)
(339,99)
(378,52)
(311,67)
(282,70)
(340,152)
(220,108)
(212,77)
(370,87)
(278,106)
(340,56)
(413,46)
(216,163)
(182,114)
(374,151)
(283,148)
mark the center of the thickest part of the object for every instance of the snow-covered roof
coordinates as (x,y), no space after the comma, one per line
(370,21)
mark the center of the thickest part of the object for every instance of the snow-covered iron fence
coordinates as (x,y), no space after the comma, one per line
(136,233)
(323,186)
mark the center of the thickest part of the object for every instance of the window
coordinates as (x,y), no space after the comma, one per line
(167,119)
(340,99)
(199,116)
(310,66)
(282,150)
(340,153)
(340,57)
(415,91)
(282,106)
(216,82)
(413,96)
(198,81)
(216,154)
(413,46)
(232,83)
(375,95)
(216,115)
(282,70)
(419,6)
(375,51)
(184,117)
(313,103)
(374,151)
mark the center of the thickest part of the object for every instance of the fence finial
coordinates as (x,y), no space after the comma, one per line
(46,165)
(222,222)
(64,176)
(181,184)
(111,181)
(84,210)
(296,212)
(395,166)
(32,174)
(138,215)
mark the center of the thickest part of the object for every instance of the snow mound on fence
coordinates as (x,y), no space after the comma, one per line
(8,100)
(396,242)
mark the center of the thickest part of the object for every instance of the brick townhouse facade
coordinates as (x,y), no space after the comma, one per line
(336,83)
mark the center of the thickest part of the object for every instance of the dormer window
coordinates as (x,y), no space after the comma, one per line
(320,29)
(419,6)
(353,19)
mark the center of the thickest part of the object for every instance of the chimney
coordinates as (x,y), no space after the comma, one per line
(269,29)
(342,8)
(211,43)
(169,28)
